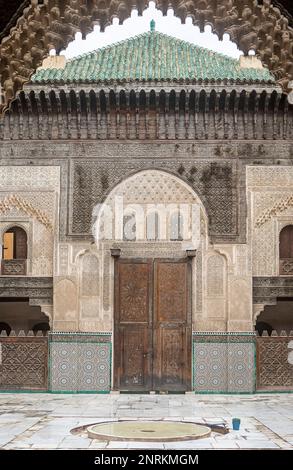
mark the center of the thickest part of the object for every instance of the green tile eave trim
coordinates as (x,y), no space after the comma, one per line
(80,392)
(83,342)
(81,333)
(223,333)
(24,391)
(152,56)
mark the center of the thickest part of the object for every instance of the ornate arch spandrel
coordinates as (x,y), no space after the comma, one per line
(264,28)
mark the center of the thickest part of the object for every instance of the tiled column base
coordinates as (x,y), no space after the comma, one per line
(80,362)
(224,362)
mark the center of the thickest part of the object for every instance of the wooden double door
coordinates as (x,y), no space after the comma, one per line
(152,331)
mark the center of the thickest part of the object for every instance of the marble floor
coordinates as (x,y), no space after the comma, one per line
(44,421)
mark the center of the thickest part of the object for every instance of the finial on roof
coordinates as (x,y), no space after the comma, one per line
(153,25)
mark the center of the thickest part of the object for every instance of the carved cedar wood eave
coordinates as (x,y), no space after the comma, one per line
(266,290)
(231,112)
(53,24)
(39,290)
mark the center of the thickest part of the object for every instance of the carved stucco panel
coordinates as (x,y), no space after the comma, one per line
(215,281)
(65,303)
(40,235)
(265,237)
(42,252)
(63,259)
(215,276)
(89,287)
(266,178)
(27,178)
(270,191)
(242,260)
(31,194)
(240,299)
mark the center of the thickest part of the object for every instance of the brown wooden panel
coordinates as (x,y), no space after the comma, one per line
(171,290)
(134,291)
(286,242)
(20,243)
(152,325)
(172,358)
(134,364)
(274,372)
(24,363)
(133,318)
(8,245)
(172,325)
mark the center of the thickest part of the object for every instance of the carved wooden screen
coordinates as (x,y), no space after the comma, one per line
(20,243)
(172,326)
(23,363)
(14,252)
(133,325)
(286,250)
(274,369)
(152,325)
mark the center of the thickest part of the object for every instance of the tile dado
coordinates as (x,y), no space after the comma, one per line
(80,362)
(224,363)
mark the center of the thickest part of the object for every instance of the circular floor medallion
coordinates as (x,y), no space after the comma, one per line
(147,431)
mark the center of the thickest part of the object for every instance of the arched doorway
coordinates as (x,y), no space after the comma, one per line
(160,221)
(14,252)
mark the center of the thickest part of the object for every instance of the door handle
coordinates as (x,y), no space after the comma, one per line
(148,354)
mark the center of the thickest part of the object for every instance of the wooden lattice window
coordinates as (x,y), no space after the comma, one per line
(286,250)
(14,252)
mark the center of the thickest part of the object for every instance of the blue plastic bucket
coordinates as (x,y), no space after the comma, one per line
(236,424)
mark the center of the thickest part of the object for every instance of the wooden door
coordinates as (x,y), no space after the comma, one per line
(286,251)
(172,325)
(286,242)
(133,325)
(152,338)
(20,243)
(8,245)
(15,244)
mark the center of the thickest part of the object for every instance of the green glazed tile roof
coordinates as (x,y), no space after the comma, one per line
(151,56)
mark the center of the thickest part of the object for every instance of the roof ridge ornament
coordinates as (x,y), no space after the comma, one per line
(152,25)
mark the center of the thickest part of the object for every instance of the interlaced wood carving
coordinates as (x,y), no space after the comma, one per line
(274,369)
(24,363)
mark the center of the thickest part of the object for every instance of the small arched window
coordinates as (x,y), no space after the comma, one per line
(44,327)
(286,250)
(176,226)
(15,244)
(262,326)
(129,227)
(14,251)
(152,226)
(5,327)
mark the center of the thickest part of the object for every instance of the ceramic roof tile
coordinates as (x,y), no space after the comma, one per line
(151,56)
